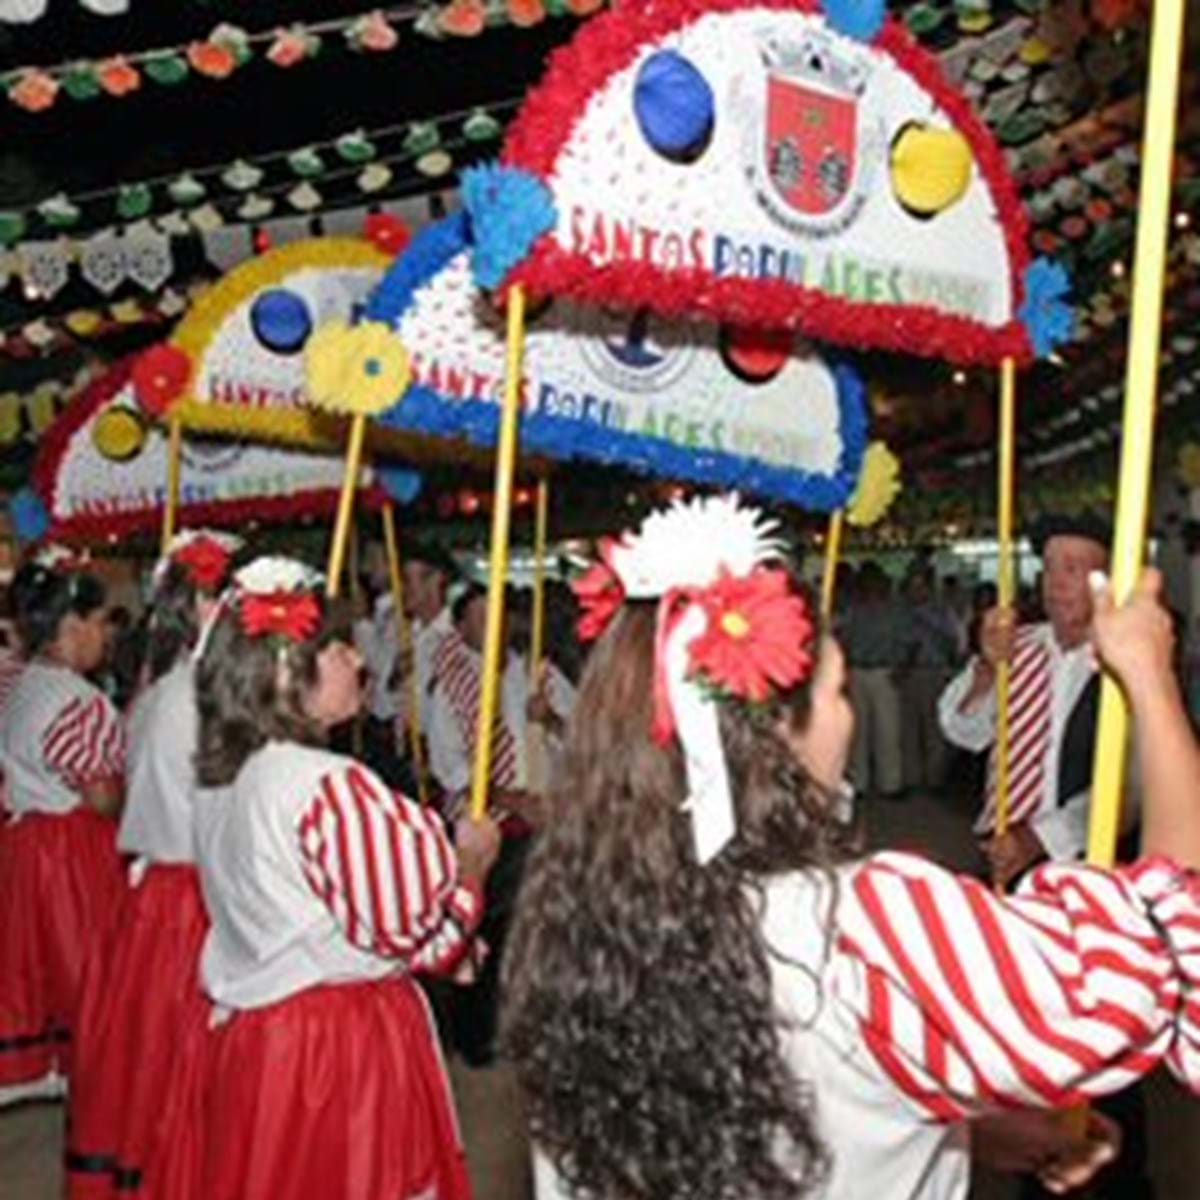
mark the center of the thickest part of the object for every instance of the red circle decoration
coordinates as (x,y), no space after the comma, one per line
(756,355)
(387,233)
(160,376)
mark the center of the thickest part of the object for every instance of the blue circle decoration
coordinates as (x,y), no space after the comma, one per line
(674,106)
(281,321)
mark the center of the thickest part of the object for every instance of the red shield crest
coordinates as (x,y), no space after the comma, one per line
(812,143)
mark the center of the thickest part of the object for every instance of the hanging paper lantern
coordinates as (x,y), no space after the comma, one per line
(281,321)
(931,169)
(674,106)
(119,433)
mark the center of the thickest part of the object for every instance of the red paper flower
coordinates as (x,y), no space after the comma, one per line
(526,13)
(217,62)
(600,594)
(35,91)
(374,33)
(463,18)
(118,77)
(289,48)
(759,636)
(293,615)
(160,376)
(206,562)
(387,233)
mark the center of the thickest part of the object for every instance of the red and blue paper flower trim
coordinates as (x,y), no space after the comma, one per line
(421,409)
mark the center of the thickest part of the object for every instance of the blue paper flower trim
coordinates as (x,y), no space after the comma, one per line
(423,410)
(510,209)
(859,19)
(28,514)
(401,485)
(1048,318)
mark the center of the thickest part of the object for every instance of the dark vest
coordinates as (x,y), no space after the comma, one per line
(1077,756)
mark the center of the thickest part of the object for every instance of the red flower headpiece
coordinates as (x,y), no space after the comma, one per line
(206,561)
(293,615)
(600,594)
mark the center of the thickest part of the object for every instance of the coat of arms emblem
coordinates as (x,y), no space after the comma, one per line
(816,151)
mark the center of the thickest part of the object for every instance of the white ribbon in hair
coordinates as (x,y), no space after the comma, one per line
(710,800)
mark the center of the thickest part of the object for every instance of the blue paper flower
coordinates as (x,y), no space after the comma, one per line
(1047,317)
(28,514)
(401,484)
(510,209)
(281,320)
(859,19)
(674,105)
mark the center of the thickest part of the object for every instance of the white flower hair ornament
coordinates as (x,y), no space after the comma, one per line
(729,624)
(275,597)
(56,557)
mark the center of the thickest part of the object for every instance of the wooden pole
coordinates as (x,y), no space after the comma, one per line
(537,637)
(506,454)
(1005,577)
(1141,380)
(174,461)
(833,550)
(345,512)
(404,640)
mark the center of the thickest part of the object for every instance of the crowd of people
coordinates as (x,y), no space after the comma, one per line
(244,906)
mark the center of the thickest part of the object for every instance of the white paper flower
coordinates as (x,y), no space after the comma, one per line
(689,543)
(275,574)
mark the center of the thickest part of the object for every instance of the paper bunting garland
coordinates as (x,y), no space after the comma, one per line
(228,47)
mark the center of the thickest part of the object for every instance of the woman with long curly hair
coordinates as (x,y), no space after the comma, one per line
(706,996)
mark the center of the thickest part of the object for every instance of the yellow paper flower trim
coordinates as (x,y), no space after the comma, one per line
(878,486)
(1187,465)
(357,370)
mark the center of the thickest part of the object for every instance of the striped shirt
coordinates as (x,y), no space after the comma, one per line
(59,735)
(913,998)
(315,872)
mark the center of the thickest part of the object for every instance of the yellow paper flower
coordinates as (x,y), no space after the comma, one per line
(1187,465)
(119,433)
(878,486)
(931,168)
(10,418)
(356,369)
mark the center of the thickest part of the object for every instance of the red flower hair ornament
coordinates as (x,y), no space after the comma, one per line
(277,597)
(729,625)
(204,554)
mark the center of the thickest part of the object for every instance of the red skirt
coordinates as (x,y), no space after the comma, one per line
(338,1091)
(60,883)
(138,993)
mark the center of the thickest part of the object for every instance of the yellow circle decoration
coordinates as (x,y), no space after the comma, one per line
(119,433)
(356,370)
(931,168)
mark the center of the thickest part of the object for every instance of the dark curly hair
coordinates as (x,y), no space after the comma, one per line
(44,597)
(243,698)
(638,1004)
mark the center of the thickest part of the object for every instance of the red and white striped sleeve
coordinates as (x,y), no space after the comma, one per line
(386,870)
(1075,987)
(85,743)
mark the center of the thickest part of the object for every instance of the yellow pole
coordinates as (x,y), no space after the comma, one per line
(1005,582)
(341,531)
(506,454)
(833,550)
(537,635)
(1141,378)
(405,642)
(174,457)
